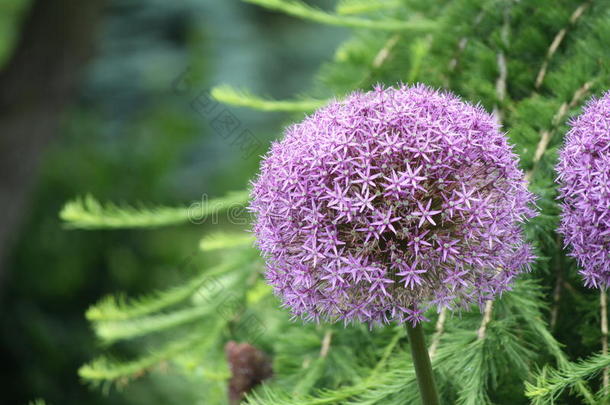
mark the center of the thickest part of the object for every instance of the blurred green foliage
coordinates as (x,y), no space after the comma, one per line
(11,13)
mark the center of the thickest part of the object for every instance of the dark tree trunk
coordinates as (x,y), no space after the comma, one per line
(36,85)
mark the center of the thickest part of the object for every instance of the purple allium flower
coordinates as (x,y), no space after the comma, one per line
(379,206)
(584,176)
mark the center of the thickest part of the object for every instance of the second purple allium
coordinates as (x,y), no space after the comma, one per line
(379,206)
(584,174)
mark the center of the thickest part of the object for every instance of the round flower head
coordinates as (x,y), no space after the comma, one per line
(379,206)
(584,175)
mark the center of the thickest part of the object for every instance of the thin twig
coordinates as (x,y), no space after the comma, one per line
(500,95)
(326,344)
(547,134)
(463,42)
(568,287)
(387,353)
(557,290)
(380,58)
(438,332)
(384,52)
(556,299)
(489,305)
(500,85)
(502,68)
(557,41)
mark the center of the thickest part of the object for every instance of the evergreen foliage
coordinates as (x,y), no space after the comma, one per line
(533,63)
(228,95)
(88,213)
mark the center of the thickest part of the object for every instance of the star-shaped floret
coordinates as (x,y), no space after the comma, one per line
(410,275)
(425,213)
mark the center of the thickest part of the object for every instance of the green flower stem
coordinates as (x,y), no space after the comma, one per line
(423,367)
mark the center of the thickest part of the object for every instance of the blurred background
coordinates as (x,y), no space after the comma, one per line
(91,103)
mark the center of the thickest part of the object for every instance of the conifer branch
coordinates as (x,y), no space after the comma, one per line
(205,303)
(302,10)
(88,213)
(112,331)
(107,371)
(557,41)
(118,309)
(387,377)
(562,361)
(532,315)
(550,383)
(352,7)
(243,98)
